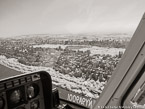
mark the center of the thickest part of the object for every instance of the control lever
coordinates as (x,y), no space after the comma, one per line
(55,96)
(56,101)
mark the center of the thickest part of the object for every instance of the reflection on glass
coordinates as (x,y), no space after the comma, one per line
(15,96)
(32,91)
(35,104)
(139,99)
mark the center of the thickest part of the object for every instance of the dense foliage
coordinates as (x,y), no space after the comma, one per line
(82,64)
(66,61)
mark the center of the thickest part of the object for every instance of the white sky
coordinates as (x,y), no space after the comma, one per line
(21,17)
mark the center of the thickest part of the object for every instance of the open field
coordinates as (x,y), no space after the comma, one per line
(94,49)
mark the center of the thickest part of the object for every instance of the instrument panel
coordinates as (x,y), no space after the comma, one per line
(30,91)
(26,92)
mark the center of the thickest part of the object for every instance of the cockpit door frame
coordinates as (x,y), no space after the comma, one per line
(126,72)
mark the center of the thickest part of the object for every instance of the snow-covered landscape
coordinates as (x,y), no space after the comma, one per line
(79,64)
(78,85)
(94,49)
(79,43)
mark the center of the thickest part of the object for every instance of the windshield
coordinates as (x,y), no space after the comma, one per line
(79,43)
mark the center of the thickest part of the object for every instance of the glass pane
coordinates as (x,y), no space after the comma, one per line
(139,99)
(79,66)
(77,41)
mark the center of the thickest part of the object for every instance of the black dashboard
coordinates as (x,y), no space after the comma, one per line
(30,91)
(26,91)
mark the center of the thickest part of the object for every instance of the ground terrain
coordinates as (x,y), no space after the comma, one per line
(79,64)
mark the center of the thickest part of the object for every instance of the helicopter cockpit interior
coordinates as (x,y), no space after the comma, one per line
(125,88)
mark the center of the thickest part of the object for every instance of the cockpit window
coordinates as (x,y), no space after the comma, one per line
(82,65)
(78,42)
(136,97)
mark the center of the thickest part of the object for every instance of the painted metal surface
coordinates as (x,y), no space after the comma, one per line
(126,71)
